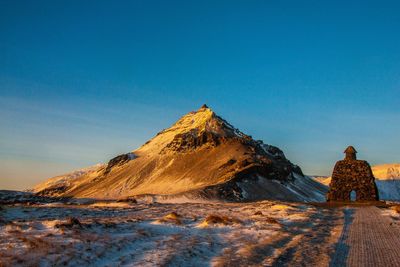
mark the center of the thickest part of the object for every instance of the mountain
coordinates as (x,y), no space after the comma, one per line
(201,156)
(325,180)
(387,171)
(62,182)
(387,180)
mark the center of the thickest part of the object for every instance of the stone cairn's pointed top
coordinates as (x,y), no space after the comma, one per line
(350,153)
(350,149)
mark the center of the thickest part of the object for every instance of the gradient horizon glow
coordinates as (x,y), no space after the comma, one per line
(83,81)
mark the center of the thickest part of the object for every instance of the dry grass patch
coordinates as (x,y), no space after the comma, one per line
(396,208)
(172,217)
(213,219)
(281,207)
(71,222)
(118,204)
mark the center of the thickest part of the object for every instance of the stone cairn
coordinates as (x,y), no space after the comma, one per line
(350,175)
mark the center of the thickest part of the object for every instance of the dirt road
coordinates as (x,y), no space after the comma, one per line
(368,239)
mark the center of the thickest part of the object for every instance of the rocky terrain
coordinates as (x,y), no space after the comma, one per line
(201,156)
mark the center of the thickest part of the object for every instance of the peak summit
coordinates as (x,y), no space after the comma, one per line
(202,124)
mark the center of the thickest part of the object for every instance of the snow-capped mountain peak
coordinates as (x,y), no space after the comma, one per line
(196,126)
(387,171)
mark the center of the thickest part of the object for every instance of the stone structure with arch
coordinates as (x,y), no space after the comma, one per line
(350,175)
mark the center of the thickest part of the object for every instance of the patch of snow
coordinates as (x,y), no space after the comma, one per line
(131,155)
(111,205)
(388,189)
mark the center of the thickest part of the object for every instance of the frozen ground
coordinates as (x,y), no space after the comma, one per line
(206,234)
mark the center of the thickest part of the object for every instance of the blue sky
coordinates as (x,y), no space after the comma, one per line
(83,81)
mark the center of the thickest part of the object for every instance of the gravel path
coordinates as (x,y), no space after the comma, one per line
(368,239)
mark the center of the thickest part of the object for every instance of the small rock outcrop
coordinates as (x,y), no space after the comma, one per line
(118,161)
(351,175)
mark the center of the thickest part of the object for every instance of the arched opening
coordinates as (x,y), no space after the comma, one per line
(353,195)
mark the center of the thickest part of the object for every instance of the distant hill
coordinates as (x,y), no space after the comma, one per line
(201,156)
(387,171)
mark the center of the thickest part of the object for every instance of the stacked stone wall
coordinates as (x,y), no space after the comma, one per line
(349,175)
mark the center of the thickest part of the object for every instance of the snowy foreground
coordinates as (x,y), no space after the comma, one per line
(204,234)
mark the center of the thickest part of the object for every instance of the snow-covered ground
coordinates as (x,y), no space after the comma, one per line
(154,234)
